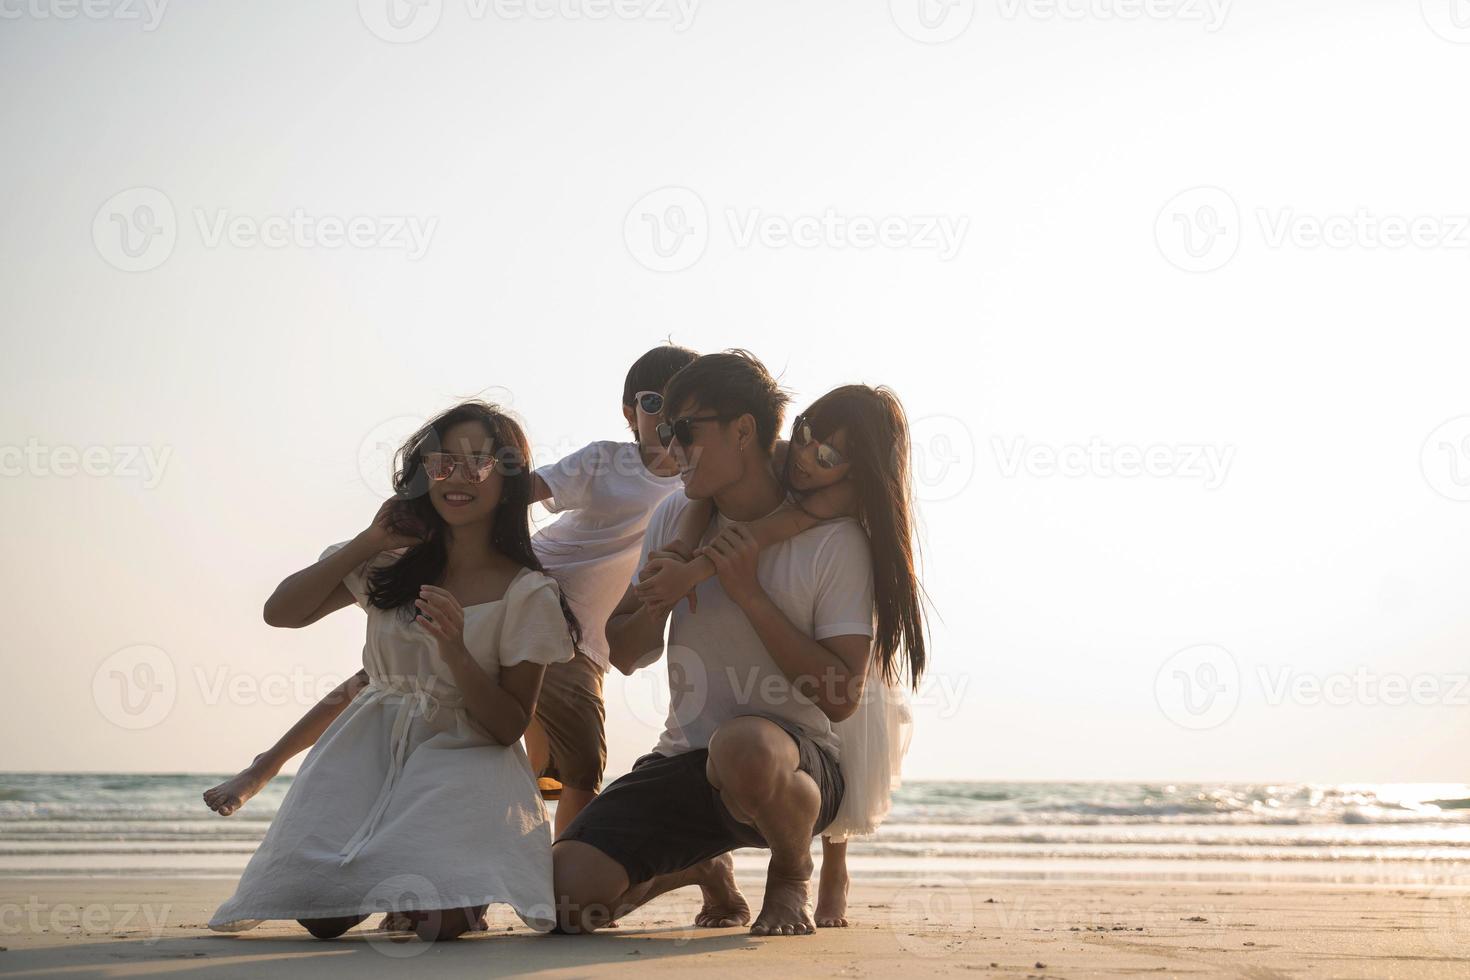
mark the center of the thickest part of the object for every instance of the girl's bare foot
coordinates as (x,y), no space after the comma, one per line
(832,896)
(724,906)
(784,910)
(230,795)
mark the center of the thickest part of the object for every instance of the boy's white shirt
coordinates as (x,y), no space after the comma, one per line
(605,496)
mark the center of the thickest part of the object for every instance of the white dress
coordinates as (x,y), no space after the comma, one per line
(874,739)
(405,804)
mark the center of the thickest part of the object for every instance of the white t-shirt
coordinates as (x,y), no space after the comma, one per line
(604,495)
(822,579)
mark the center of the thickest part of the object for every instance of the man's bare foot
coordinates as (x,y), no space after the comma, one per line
(832,896)
(230,795)
(724,906)
(784,910)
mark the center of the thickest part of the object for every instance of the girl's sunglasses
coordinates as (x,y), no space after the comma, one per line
(827,457)
(440,466)
(682,429)
(651,402)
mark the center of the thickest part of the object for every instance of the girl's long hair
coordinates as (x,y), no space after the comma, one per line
(878,449)
(396,585)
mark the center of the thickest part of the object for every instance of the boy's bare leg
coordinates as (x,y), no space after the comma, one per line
(572,802)
(832,889)
(232,794)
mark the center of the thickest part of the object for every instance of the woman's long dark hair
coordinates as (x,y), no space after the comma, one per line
(878,448)
(396,585)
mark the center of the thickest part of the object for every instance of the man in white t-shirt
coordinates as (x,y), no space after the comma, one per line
(604,494)
(776,651)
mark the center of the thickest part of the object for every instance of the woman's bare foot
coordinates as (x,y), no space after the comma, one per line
(832,896)
(230,795)
(784,910)
(724,906)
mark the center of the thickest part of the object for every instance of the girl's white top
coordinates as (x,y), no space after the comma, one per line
(874,740)
(406,804)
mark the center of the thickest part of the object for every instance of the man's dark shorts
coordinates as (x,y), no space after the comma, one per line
(664,816)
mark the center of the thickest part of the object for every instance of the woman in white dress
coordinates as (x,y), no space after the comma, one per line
(419,798)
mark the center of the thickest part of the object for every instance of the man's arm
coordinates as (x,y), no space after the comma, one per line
(829,672)
(635,634)
(539,490)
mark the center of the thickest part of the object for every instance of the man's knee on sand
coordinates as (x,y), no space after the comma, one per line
(586,883)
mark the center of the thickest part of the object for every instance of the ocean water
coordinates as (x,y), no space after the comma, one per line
(1408,834)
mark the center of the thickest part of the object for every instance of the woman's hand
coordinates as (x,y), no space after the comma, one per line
(392,528)
(664,581)
(444,622)
(734,552)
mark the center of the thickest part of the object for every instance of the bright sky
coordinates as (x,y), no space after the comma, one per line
(1079,245)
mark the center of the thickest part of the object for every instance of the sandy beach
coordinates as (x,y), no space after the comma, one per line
(122,927)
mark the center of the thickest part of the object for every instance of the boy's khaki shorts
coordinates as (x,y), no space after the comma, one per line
(570,711)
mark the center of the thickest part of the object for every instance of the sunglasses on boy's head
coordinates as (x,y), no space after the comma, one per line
(650,401)
(827,457)
(682,429)
(476,468)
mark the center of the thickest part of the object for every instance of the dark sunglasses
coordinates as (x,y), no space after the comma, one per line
(650,401)
(682,429)
(441,466)
(827,457)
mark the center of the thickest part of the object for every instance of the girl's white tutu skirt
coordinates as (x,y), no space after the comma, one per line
(873,743)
